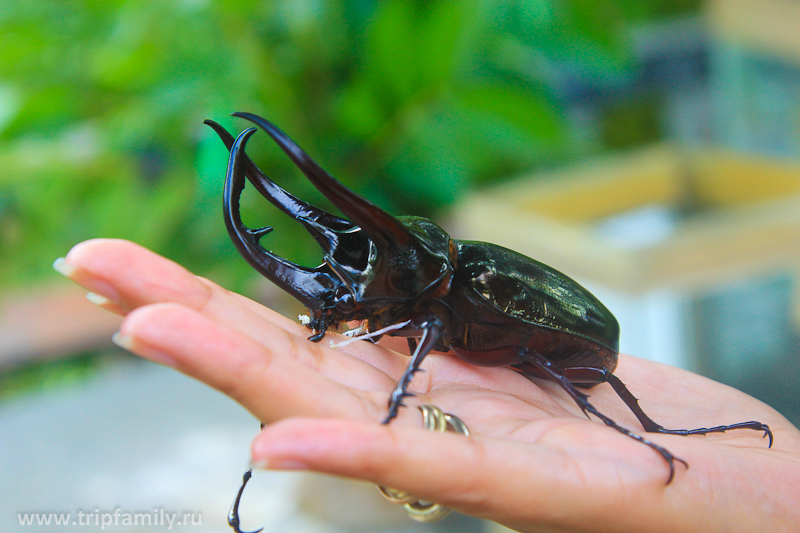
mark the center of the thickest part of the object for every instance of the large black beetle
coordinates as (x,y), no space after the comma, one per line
(488,305)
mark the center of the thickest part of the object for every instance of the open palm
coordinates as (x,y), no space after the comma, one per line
(534,461)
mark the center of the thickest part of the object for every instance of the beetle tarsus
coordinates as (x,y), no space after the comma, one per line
(233,515)
(320,327)
(758,426)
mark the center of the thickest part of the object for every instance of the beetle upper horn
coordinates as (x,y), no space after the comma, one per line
(381,227)
(318,222)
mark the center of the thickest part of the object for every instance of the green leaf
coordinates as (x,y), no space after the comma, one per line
(441,38)
(392,48)
(525,110)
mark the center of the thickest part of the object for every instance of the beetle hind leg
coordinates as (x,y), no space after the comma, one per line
(596,376)
(651,426)
(556,374)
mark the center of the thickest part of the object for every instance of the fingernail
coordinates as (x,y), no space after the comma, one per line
(62,267)
(97,299)
(123,341)
(127,342)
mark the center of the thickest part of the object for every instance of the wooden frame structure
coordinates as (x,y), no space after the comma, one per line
(736,214)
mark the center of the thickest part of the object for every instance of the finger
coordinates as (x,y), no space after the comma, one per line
(507,481)
(259,377)
(130,276)
(126,276)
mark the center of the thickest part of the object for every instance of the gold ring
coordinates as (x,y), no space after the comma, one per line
(433,419)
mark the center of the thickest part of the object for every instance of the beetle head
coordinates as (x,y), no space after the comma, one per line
(375,266)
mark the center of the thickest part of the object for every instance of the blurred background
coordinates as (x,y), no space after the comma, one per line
(647,148)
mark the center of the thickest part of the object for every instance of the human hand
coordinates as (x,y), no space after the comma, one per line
(533,462)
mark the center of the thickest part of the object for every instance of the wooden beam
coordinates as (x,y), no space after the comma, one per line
(770,26)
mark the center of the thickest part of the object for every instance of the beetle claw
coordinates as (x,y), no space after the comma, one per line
(318,336)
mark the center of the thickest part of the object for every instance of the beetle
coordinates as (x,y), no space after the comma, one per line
(405,276)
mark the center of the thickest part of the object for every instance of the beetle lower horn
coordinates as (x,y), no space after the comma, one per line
(312,287)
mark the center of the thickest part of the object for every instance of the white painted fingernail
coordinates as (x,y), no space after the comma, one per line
(123,341)
(97,299)
(62,267)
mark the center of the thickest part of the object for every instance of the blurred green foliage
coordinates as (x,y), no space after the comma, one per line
(409,102)
(42,376)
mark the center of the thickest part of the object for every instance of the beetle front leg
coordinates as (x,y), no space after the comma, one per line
(556,374)
(431,331)
(233,514)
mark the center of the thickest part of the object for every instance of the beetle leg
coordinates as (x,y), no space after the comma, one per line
(556,374)
(431,331)
(651,426)
(233,514)
(602,375)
